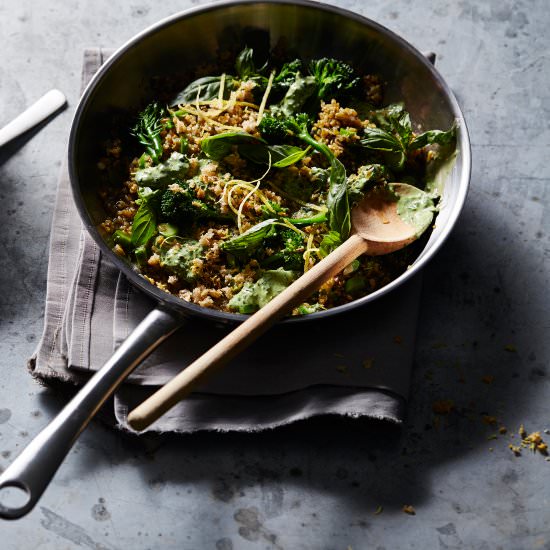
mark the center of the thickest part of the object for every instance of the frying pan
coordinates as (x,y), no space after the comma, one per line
(123,85)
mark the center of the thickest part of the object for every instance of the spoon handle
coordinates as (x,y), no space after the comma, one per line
(47,105)
(246,333)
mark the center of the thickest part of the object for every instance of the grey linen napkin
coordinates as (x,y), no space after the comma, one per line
(357,364)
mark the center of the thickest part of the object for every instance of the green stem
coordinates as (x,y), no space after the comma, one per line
(310,220)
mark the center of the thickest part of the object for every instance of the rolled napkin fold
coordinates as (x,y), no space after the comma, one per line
(356,364)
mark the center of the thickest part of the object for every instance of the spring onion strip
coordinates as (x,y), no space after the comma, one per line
(266,95)
(222,86)
(249,185)
(250,193)
(240,210)
(307,253)
(204,116)
(287,223)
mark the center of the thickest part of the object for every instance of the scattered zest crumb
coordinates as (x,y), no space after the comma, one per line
(378,510)
(408,509)
(532,441)
(516,449)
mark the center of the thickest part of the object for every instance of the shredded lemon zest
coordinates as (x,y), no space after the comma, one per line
(253,189)
(222,86)
(307,253)
(204,116)
(211,103)
(240,210)
(248,185)
(263,103)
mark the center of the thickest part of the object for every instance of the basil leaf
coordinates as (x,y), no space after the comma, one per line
(219,146)
(430,137)
(244,64)
(377,139)
(144,225)
(245,244)
(285,155)
(205,89)
(330,242)
(296,96)
(380,140)
(337,199)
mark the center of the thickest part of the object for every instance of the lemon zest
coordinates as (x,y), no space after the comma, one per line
(307,253)
(263,103)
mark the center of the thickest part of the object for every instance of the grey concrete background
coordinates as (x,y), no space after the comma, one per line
(317,485)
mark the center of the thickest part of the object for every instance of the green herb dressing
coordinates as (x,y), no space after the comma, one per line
(254,296)
(416,208)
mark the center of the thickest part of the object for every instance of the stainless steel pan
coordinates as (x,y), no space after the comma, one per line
(122,86)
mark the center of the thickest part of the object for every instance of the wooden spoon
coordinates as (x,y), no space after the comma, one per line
(382,222)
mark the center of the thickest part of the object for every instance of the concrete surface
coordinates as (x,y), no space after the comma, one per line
(484,313)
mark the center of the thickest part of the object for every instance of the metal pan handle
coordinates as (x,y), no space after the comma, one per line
(34,468)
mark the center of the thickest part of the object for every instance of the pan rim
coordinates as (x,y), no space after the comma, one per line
(168,300)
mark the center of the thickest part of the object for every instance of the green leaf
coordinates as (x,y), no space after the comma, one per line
(144,225)
(377,139)
(220,145)
(246,244)
(285,155)
(244,64)
(431,137)
(330,242)
(380,140)
(296,97)
(205,89)
(337,199)
(252,148)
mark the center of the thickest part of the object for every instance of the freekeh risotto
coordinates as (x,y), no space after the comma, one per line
(246,180)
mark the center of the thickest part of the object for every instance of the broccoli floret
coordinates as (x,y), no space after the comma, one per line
(272,129)
(277,129)
(334,78)
(147,130)
(180,206)
(290,256)
(292,240)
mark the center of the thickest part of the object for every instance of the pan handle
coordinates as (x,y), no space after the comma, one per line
(34,468)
